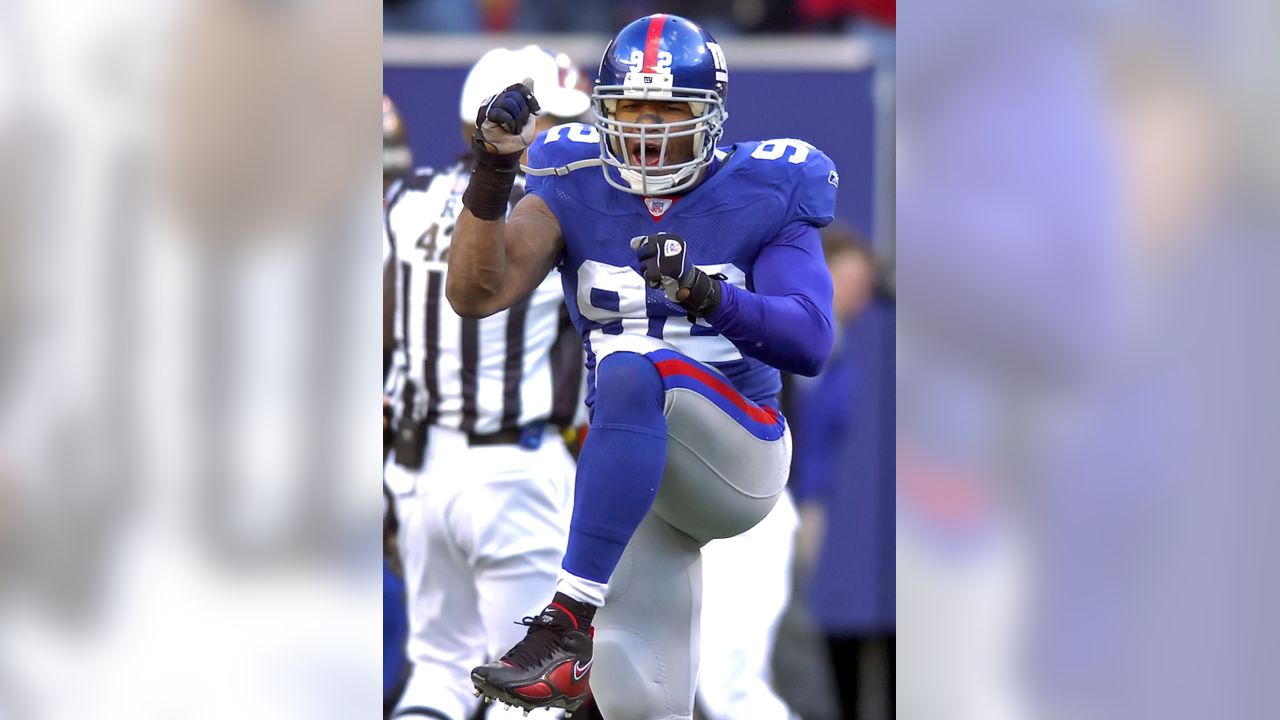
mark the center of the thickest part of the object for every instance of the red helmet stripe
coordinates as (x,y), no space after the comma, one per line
(652,41)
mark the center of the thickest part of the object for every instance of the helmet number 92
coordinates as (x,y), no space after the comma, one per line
(774,149)
(661,64)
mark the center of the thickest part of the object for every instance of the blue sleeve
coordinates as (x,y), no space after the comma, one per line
(813,199)
(787,321)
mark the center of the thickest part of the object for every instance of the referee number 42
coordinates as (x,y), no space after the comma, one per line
(434,243)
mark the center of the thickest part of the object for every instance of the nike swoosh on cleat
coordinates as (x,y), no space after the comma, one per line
(579,670)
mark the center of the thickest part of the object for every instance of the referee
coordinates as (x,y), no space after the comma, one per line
(481,482)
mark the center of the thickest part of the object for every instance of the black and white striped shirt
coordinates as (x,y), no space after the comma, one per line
(478,376)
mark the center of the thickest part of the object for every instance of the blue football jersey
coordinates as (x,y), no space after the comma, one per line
(754,190)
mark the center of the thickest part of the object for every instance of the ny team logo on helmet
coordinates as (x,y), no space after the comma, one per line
(663,58)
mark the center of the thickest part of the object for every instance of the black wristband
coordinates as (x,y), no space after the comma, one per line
(489,191)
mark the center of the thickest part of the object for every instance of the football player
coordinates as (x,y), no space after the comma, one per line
(694,273)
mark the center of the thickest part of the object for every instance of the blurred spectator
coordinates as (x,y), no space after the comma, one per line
(845,564)
(820,406)
(430,16)
(816,14)
(397,158)
(582,16)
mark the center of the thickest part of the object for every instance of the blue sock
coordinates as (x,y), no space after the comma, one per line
(620,466)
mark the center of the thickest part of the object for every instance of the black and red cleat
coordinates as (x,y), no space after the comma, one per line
(549,668)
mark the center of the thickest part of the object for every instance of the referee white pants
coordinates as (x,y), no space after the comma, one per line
(746,584)
(482,533)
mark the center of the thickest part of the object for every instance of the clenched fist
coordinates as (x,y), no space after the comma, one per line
(665,264)
(505,121)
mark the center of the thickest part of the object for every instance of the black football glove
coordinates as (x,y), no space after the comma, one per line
(504,128)
(665,264)
(505,120)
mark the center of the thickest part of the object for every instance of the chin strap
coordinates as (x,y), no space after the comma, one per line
(589,162)
(563,169)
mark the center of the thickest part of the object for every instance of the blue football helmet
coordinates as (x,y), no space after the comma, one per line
(660,57)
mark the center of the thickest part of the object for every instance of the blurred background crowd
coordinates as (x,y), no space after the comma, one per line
(722,18)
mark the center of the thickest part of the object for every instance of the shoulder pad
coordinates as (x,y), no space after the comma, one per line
(564,144)
(801,171)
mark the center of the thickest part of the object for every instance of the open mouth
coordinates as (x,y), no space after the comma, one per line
(646,153)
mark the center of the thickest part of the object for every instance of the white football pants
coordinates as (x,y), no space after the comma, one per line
(482,533)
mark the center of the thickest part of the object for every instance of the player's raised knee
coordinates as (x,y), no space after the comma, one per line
(626,380)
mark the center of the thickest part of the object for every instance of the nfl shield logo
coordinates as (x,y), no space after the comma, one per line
(657,206)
